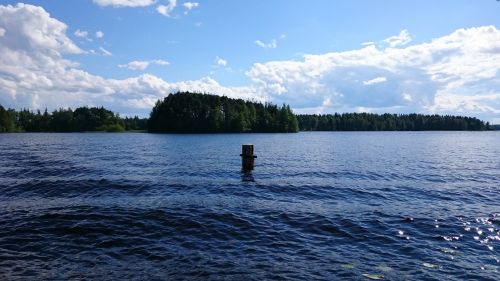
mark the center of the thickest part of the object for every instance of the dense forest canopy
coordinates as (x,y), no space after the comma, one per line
(388,122)
(203,113)
(186,112)
(82,119)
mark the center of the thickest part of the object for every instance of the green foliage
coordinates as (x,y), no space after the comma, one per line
(66,120)
(113,128)
(201,113)
(94,119)
(186,112)
(7,120)
(135,123)
(389,122)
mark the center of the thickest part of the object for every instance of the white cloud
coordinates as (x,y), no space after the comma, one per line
(407,97)
(142,65)
(161,62)
(270,45)
(327,102)
(376,80)
(105,52)
(135,65)
(220,61)
(458,73)
(399,40)
(35,74)
(50,36)
(81,33)
(2,32)
(99,34)
(125,3)
(188,6)
(167,9)
(455,74)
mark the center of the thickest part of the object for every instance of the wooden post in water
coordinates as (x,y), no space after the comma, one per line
(247,157)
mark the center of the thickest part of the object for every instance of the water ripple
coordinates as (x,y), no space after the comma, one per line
(318,206)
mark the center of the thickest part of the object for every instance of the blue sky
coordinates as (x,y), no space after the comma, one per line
(318,56)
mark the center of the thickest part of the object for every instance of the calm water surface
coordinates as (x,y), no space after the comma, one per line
(318,206)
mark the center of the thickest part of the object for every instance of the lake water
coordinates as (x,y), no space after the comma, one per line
(325,206)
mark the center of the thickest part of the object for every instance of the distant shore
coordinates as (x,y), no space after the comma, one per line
(186,112)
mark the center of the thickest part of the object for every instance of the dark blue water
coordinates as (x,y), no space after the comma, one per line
(318,206)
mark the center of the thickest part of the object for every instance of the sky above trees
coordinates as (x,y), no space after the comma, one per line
(318,56)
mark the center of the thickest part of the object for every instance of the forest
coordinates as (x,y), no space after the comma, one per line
(389,122)
(82,119)
(186,112)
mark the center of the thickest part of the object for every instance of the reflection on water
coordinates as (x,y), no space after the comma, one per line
(391,205)
(247,176)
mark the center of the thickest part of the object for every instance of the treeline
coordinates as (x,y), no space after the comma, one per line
(389,122)
(187,112)
(82,119)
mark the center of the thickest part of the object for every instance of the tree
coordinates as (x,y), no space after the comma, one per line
(7,120)
(194,112)
(387,122)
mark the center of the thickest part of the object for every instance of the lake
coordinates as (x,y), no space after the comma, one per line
(318,206)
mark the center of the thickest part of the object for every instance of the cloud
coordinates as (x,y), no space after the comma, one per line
(105,52)
(458,73)
(142,92)
(270,45)
(2,32)
(377,80)
(142,65)
(35,74)
(30,28)
(399,40)
(160,62)
(85,34)
(189,6)
(167,9)
(124,3)
(81,33)
(220,61)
